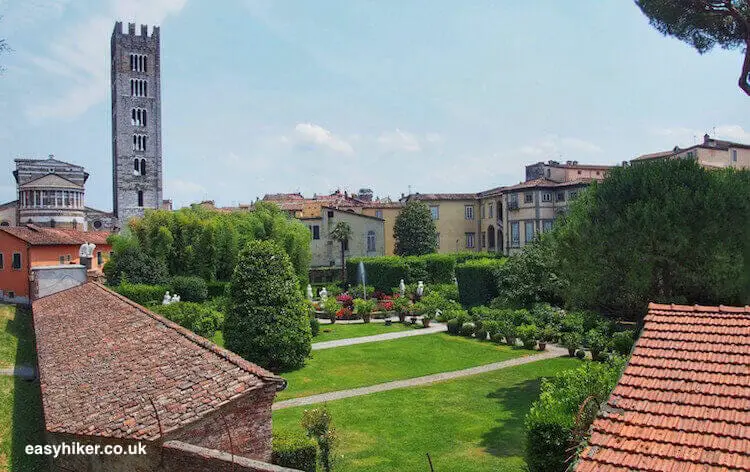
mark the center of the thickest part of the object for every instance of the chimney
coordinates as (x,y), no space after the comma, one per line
(706,138)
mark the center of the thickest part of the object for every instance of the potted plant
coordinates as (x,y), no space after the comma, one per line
(364,308)
(548,335)
(529,334)
(426,318)
(571,342)
(331,307)
(403,306)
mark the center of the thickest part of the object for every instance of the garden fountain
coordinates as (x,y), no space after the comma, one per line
(361,280)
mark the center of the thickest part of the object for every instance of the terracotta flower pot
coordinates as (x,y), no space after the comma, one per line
(426,322)
(366,318)
(542,345)
(401,317)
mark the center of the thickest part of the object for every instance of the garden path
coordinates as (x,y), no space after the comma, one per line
(552,351)
(434,328)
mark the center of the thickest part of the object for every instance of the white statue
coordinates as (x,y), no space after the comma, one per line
(323,294)
(90,250)
(175,298)
(420,289)
(402,287)
(309,292)
(167,299)
(83,250)
(455,281)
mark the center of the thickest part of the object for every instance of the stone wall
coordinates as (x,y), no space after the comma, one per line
(52,279)
(182,457)
(243,426)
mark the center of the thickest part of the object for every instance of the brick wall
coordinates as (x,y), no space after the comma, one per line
(249,423)
(181,457)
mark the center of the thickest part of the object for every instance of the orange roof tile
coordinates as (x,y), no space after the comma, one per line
(683,402)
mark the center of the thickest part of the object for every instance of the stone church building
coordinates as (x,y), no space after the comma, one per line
(50,192)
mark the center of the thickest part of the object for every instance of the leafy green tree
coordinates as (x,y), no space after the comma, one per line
(704,24)
(130,263)
(414,230)
(666,231)
(532,276)
(341,233)
(267,322)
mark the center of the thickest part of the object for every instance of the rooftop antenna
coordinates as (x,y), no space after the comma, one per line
(409,190)
(714,128)
(695,139)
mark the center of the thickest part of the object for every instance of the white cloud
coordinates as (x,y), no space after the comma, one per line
(399,141)
(185,191)
(555,147)
(315,135)
(80,56)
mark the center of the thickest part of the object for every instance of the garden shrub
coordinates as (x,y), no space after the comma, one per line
(189,288)
(318,424)
(464,256)
(432,302)
(454,326)
(528,334)
(622,342)
(217,289)
(480,333)
(295,451)
(581,354)
(314,326)
(491,326)
(467,329)
(364,308)
(416,269)
(545,314)
(447,291)
(551,422)
(476,281)
(198,318)
(548,334)
(267,322)
(143,294)
(571,342)
(573,322)
(597,343)
(130,263)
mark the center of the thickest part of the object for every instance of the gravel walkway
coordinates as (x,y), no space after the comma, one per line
(551,352)
(434,328)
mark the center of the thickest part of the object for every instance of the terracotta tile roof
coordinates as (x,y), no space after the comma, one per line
(103,359)
(39,236)
(683,402)
(546,183)
(441,196)
(282,196)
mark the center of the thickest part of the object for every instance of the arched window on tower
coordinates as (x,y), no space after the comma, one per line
(140,198)
(133,114)
(143,166)
(136,167)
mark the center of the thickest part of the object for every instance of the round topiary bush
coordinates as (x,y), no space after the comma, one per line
(267,322)
(492,327)
(622,342)
(529,334)
(467,329)
(189,288)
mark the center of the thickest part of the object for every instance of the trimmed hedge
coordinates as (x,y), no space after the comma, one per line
(476,281)
(465,256)
(217,289)
(386,272)
(143,294)
(190,288)
(200,319)
(295,451)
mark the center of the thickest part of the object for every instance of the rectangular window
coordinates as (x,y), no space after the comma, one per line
(515,234)
(528,198)
(11,294)
(469,240)
(734,155)
(483,211)
(330,214)
(371,241)
(62,260)
(99,258)
(491,211)
(316,232)
(435,212)
(16,265)
(547,197)
(2,261)
(484,240)
(469,212)
(346,245)
(378,213)
(547,225)
(560,196)
(528,231)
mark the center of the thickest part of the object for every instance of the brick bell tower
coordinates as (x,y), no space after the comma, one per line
(136,121)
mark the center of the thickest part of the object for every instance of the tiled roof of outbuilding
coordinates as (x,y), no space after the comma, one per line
(103,359)
(683,402)
(40,236)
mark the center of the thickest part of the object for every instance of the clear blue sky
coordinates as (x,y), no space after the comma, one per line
(279,96)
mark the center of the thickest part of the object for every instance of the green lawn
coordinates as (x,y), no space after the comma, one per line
(20,400)
(367,364)
(336,331)
(472,425)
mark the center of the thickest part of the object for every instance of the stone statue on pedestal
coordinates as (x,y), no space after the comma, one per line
(167,299)
(402,287)
(323,294)
(309,292)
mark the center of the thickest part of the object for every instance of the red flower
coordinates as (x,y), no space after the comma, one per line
(346,300)
(386,305)
(344,313)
